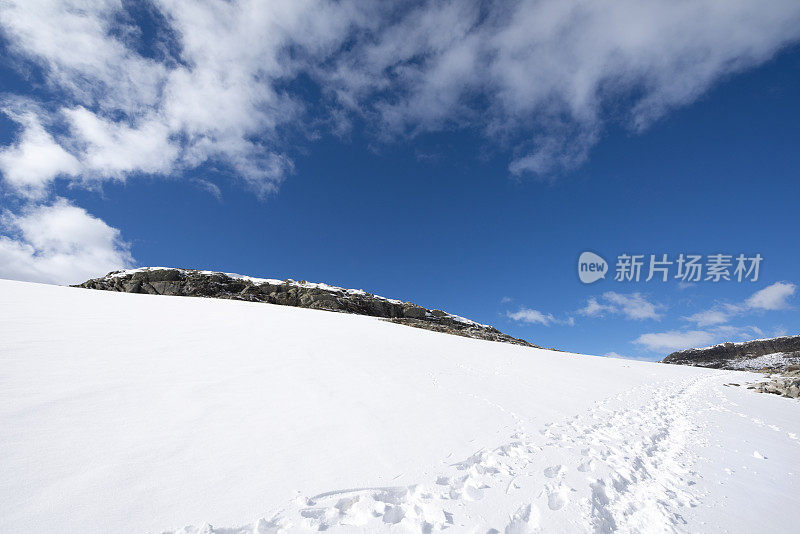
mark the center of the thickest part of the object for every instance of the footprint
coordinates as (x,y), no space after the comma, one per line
(524,521)
(552,471)
(586,466)
(758,455)
(345,504)
(556,497)
(393,515)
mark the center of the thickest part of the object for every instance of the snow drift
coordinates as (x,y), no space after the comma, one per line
(141,413)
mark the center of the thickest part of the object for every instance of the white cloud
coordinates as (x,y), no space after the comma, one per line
(35,159)
(773,297)
(670,341)
(217,84)
(59,243)
(632,306)
(675,340)
(214,98)
(112,149)
(594,308)
(737,332)
(550,66)
(709,317)
(527,315)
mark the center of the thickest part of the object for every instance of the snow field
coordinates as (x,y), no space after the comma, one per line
(141,413)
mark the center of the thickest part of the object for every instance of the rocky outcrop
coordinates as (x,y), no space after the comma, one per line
(785,386)
(773,354)
(210,284)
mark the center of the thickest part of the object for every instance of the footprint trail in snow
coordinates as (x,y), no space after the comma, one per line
(622,465)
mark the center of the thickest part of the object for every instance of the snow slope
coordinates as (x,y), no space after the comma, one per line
(139,413)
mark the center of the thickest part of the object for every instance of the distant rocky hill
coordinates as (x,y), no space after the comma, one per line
(760,354)
(210,284)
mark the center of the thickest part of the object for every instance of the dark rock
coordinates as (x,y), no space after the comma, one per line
(192,283)
(411,311)
(164,287)
(785,386)
(475,332)
(760,354)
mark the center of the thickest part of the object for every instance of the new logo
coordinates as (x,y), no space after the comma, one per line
(591,267)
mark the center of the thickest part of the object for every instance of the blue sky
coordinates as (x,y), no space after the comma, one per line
(442,154)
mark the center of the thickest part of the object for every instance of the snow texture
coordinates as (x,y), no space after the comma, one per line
(774,360)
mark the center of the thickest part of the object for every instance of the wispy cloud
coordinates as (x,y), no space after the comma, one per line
(547,68)
(213,82)
(672,340)
(530,316)
(711,324)
(527,315)
(675,340)
(209,187)
(709,317)
(773,297)
(632,306)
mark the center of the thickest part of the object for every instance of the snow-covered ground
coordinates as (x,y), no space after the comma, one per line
(140,413)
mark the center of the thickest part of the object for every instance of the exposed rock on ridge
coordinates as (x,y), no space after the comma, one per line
(194,283)
(760,354)
(785,386)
